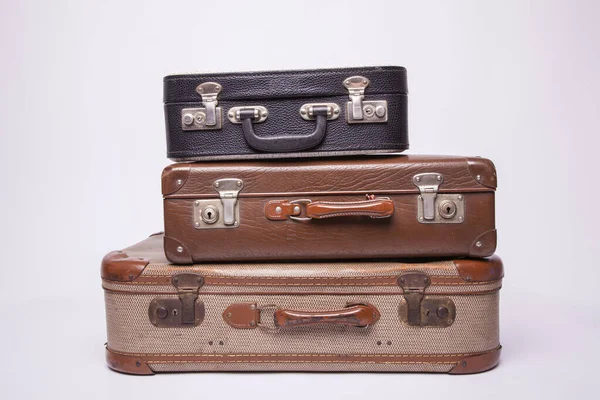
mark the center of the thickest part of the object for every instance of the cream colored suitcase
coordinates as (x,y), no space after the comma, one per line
(353,316)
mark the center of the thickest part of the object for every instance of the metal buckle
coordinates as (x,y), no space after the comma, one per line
(359,111)
(262,326)
(306,111)
(303,202)
(208,117)
(260,114)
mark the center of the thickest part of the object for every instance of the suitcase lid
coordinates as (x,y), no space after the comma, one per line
(145,263)
(340,176)
(285,84)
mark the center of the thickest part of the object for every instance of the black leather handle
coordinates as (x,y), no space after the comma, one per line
(282,143)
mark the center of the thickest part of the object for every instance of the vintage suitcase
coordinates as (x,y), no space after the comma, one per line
(286,113)
(377,207)
(374,316)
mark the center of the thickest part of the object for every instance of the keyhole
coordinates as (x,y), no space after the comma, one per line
(209,215)
(447,211)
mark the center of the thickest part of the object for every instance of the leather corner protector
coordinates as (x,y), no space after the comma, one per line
(479,363)
(174,178)
(483,171)
(176,252)
(120,267)
(127,364)
(484,245)
(480,270)
(242,315)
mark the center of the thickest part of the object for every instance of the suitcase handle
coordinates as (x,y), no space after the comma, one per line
(358,315)
(283,143)
(305,209)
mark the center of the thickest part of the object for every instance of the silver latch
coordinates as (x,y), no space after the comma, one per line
(208,117)
(228,192)
(359,111)
(428,185)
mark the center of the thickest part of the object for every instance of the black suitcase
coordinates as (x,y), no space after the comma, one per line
(286,113)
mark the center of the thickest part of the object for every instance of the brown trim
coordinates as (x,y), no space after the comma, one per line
(483,292)
(485,170)
(477,363)
(480,270)
(171,245)
(390,280)
(120,267)
(484,245)
(171,175)
(474,360)
(128,364)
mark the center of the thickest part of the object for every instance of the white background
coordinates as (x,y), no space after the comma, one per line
(82,148)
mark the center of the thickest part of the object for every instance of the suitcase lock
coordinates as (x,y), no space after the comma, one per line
(223,212)
(359,111)
(207,117)
(416,309)
(186,310)
(434,208)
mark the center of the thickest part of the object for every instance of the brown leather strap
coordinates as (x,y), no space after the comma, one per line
(277,210)
(359,315)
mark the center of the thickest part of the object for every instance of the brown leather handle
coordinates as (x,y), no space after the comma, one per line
(306,209)
(359,315)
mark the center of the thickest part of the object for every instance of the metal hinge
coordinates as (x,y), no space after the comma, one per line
(437,208)
(359,111)
(185,310)
(208,117)
(416,309)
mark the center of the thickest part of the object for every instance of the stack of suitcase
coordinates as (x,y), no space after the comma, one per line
(292,242)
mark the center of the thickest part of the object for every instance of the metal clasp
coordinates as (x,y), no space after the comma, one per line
(416,309)
(185,310)
(428,185)
(228,192)
(260,114)
(297,209)
(359,111)
(208,117)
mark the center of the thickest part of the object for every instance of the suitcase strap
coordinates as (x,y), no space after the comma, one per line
(305,209)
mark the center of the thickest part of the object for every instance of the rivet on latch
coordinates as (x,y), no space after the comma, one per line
(278,210)
(442,312)
(188,119)
(162,312)
(296,209)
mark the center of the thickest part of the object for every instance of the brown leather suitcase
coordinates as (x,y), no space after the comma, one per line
(378,207)
(437,316)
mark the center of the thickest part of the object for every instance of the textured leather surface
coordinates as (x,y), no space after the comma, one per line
(283,93)
(353,237)
(284,84)
(358,175)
